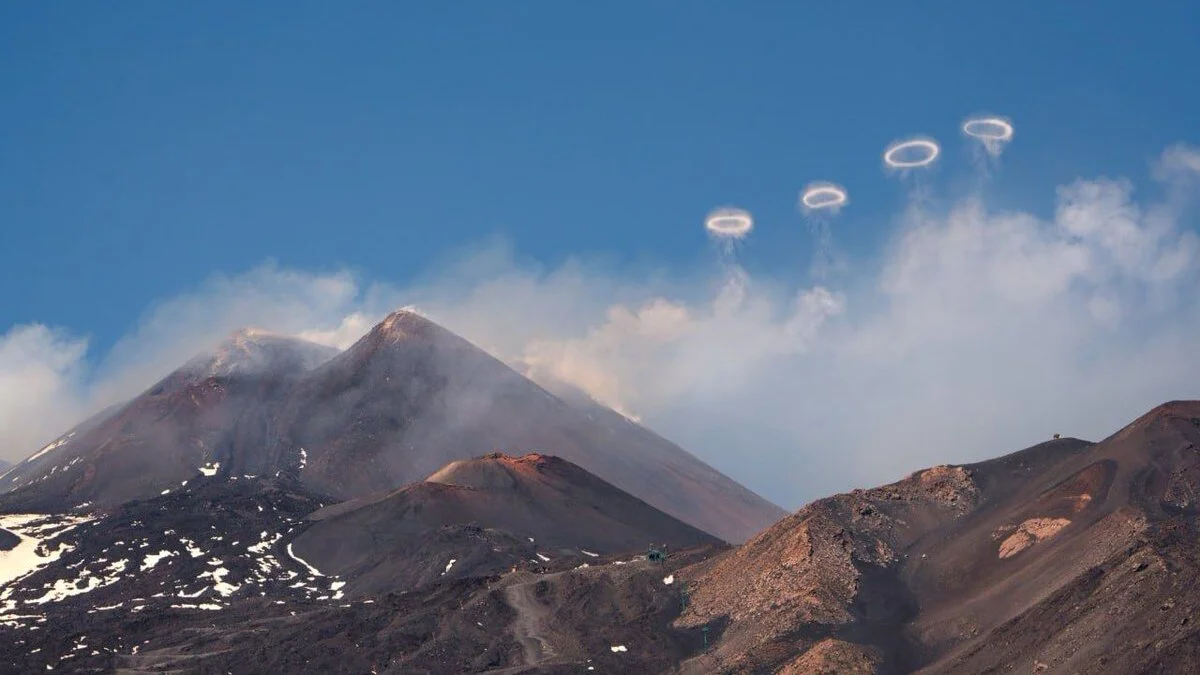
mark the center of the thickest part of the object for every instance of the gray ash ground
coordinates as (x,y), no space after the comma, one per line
(205,549)
(1066,557)
(204,579)
(268,614)
(608,617)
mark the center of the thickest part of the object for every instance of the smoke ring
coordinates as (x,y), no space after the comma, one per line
(823,196)
(733,223)
(931,148)
(971,128)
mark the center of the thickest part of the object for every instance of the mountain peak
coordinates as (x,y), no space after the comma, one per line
(1187,409)
(1180,410)
(493,470)
(406,322)
(406,399)
(253,332)
(253,350)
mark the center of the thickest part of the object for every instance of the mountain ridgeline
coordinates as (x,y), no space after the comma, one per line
(1068,556)
(405,400)
(481,517)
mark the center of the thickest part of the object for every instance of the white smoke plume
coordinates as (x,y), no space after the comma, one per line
(979,332)
(990,132)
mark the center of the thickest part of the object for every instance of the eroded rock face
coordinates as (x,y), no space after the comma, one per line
(835,657)
(949,486)
(825,571)
(1029,533)
(947,570)
(1065,557)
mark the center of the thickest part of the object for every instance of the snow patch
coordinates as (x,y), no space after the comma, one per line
(55,444)
(34,530)
(669,579)
(210,469)
(618,648)
(155,558)
(449,565)
(63,589)
(223,588)
(191,547)
(265,545)
(589,553)
(312,570)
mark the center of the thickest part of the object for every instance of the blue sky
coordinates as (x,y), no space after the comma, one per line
(145,147)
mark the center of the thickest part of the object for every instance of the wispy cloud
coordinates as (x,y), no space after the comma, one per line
(979,332)
(40,377)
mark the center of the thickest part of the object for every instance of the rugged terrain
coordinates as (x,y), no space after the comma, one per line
(1066,557)
(215,410)
(214,575)
(405,400)
(482,517)
(411,397)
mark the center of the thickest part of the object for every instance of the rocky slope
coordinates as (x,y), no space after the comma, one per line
(214,411)
(408,398)
(1020,562)
(215,576)
(79,588)
(1067,557)
(482,517)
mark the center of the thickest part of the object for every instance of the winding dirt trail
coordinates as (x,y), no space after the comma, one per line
(530,626)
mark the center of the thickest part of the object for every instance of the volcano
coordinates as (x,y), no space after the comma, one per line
(214,411)
(1068,556)
(405,400)
(485,516)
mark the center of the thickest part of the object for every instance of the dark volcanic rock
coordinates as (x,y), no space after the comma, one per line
(407,399)
(411,397)
(100,580)
(524,623)
(1022,560)
(210,577)
(1065,557)
(485,516)
(216,409)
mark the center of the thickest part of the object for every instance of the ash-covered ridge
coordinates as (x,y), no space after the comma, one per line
(1021,561)
(411,397)
(71,585)
(486,516)
(253,351)
(1067,556)
(216,409)
(189,578)
(405,400)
